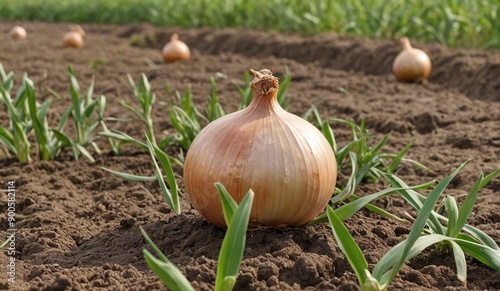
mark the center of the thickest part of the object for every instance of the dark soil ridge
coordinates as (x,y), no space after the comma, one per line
(473,72)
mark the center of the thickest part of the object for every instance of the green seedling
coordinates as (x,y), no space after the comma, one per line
(48,141)
(452,233)
(168,273)
(246,92)
(390,264)
(214,109)
(87,113)
(231,253)
(370,160)
(122,138)
(172,195)
(6,79)
(365,162)
(170,192)
(346,208)
(146,99)
(15,136)
(186,121)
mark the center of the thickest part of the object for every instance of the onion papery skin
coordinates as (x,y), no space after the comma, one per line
(411,64)
(284,159)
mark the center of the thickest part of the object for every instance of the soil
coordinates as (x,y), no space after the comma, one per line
(78,226)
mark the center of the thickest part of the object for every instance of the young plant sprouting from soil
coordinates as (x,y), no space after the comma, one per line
(49,143)
(452,233)
(390,264)
(172,195)
(146,100)
(231,253)
(186,121)
(370,160)
(170,192)
(15,137)
(214,109)
(87,114)
(345,209)
(365,162)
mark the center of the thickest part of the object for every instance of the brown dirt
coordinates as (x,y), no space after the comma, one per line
(78,226)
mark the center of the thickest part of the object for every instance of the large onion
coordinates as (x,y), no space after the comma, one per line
(411,64)
(284,159)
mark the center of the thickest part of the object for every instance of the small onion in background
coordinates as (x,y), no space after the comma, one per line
(18,32)
(284,159)
(74,37)
(175,50)
(411,64)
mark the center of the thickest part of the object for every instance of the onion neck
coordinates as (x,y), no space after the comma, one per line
(405,42)
(265,91)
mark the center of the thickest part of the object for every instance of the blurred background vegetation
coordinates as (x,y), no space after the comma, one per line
(455,23)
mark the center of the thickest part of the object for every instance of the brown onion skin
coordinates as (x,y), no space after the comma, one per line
(175,50)
(73,39)
(18,32)
(411,64)
(284,159)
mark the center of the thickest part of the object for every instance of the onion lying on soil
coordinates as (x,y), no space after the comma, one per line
(284,159)
(175,50)
(18,32)
(74,37)
(411,64)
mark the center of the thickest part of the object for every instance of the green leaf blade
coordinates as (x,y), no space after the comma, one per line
(348,246)
(171,201)
(233,245)
(164,269)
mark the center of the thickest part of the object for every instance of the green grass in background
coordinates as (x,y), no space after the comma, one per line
(465,23)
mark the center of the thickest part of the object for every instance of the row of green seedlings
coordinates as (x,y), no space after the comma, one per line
(365,162)
(28,117)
